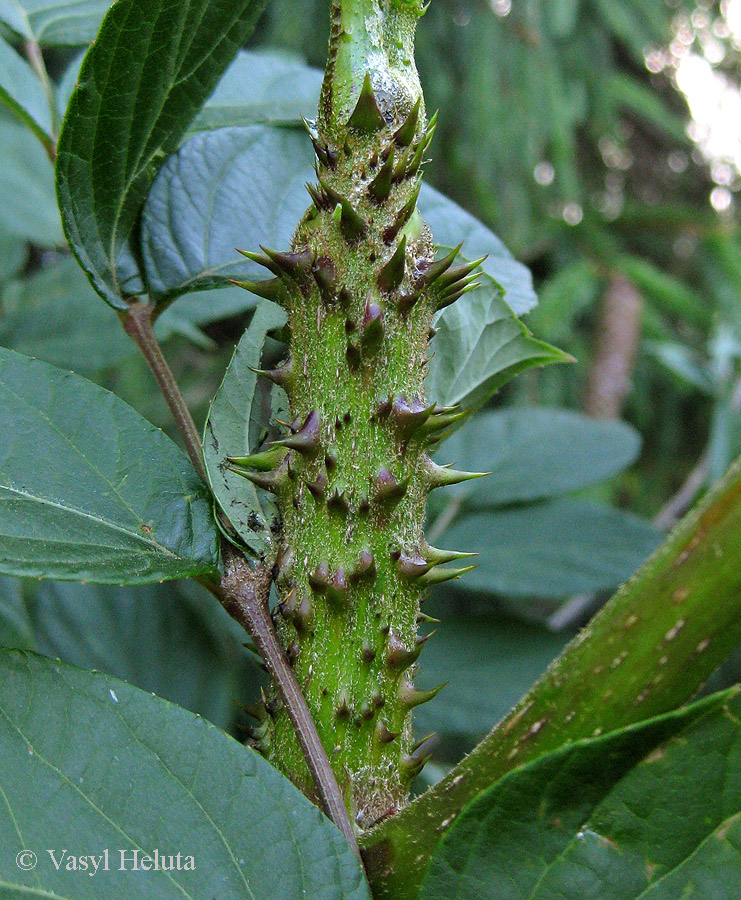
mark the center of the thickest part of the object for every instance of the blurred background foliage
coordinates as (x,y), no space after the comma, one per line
(601,140)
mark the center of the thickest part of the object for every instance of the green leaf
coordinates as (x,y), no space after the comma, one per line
(536,453)
(489,663)
(91,491)
(22,92)
(190,311)
(13,256)
(16,629)
(68,83)
(683,362)
(28,207)
(251,512)
(479,347)
(552,549)
(58,318)
(646,652)
(451,224)
(235,187)
(651,812)
(191,656)
(267,87)
(138,774)
(54,22)
(149,71)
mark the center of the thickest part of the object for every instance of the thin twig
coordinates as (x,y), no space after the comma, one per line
(137,322)
(243,592)
(35,59)
(673,510)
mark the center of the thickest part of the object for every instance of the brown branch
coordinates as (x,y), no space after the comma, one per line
(243,592)
(137,323)
(611,372)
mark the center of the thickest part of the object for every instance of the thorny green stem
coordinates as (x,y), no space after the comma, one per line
(137,323)
(243,592)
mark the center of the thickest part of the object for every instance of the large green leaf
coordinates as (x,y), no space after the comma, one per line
(54,22)
(28,207)
(57,318)
(535,453)
(552,549)
(54,315)
(193,654)
(268,87)
(451,224)
(488,664)
(234,187)
(88,489)
(652,812)
(13,255)
(249,510)
(22,92)
(481,345)
(151,68)
(90,763)
(16,628)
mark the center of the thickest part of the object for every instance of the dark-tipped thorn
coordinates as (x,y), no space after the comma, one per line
(388,488)
(404,135)
(325,275)
(264,462)
(410,696)
(304,615)
(338,501)
(373,327)
(268,481)
(398,656)
(319,578)
(380,188)
(307,439)
(321,201)
(365,566)
(281,375)
(412,565)
(409,417)
(318,487)
(384,734)
(436,269)
(296,265)
(343,707)
(272,289)
(338,588)
(366,116)
(392,274)
(403,216)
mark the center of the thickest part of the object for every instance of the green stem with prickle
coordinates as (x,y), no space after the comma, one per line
(648,651)
(360,290)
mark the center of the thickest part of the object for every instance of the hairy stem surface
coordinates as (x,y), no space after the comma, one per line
(360,287)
